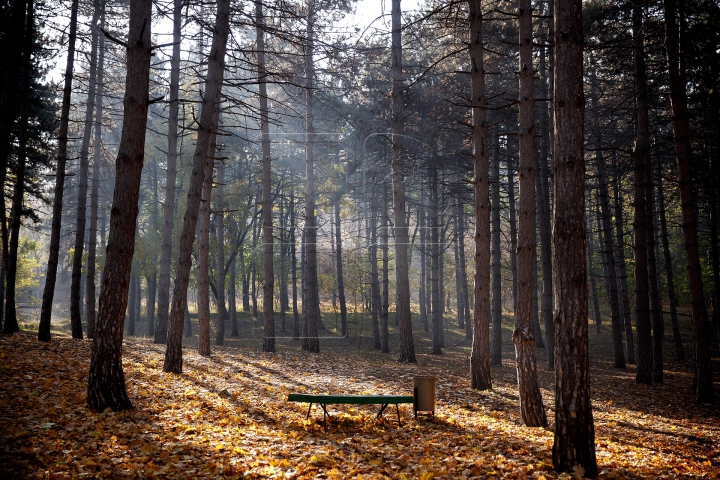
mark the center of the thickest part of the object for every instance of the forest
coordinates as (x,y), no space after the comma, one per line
(210,206)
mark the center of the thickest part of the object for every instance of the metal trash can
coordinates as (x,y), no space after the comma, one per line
(424,394)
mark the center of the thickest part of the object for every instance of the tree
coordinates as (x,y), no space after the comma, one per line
(106,381)
(406,349)
(702,381)
(480,356)
(201,166)
(51,275)
(531,406)
(574,431)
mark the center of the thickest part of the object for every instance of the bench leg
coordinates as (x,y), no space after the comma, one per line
(382,409)
(397,407)
(308,414)
(325,414)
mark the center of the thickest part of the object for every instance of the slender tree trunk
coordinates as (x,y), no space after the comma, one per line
(95,190)
(11,324)
(282,277)
(422,294)
(220,229)
(406,349)
(375,302)
(82,181)
(496,312)
(544,196)
(151,298)
(293,267)
(512,212)
(539,340)
(340,277)
(200,166)
(531,404)
(170,180)
(702,382)
(132,298)
(669,275)
(457,242)
(608,249)
(106,380)
(640,153)
(655,300)
(54,247)
(384,234)
(574,431)
(480,355)
(268,284)
(233,298)
(625,295)
(591,276)
(203,279)
(435,269)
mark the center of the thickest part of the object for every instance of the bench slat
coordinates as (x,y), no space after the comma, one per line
(350,399)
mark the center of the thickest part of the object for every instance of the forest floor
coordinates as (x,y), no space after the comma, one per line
(227,416)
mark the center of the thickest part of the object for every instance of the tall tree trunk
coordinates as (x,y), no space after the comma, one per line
(406,349)
(608,249)
(293,267)
(95,190)
(702,382)
(512,212)
(574,431)
(463,270)
(435,269)
(233,298)
(384,234)
(170,180)
(544,195)
(220,229)
(11,324)
(268,284)
(54,246)
(624,291)
(340,277)
(106,380)
(82,180)
(375,302)
(311,343)
(200,166)
(655,300)
(423,293)
(669,275)
(539,340)
(531,404)
(496,312)
(640,153)
(151,297)
(282,276)
(480,355)
(203,262)
(457,243)
(591,275)
(132,299)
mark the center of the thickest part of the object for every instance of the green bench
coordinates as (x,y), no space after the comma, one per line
(324,400)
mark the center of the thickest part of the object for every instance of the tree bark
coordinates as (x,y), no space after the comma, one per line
(106,380)
(480,355)
(512,219)
(384,234)
(702,382)
(211,101)
(170,180)
(531,404)
(640,153)
(375,301)
(82,181)
(203,263)
(268,246)
(406,349)
(624,291)
(655,300)
(11,324)
(591,275)
(54,246)
(496,312)
(340,277)
(220,229)
(669,275)
(435,269)
(293,267)
(574,431)
(423,293)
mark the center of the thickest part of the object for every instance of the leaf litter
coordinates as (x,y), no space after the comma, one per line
(227,416)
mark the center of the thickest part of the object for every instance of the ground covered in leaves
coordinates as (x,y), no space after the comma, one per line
(227,416)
